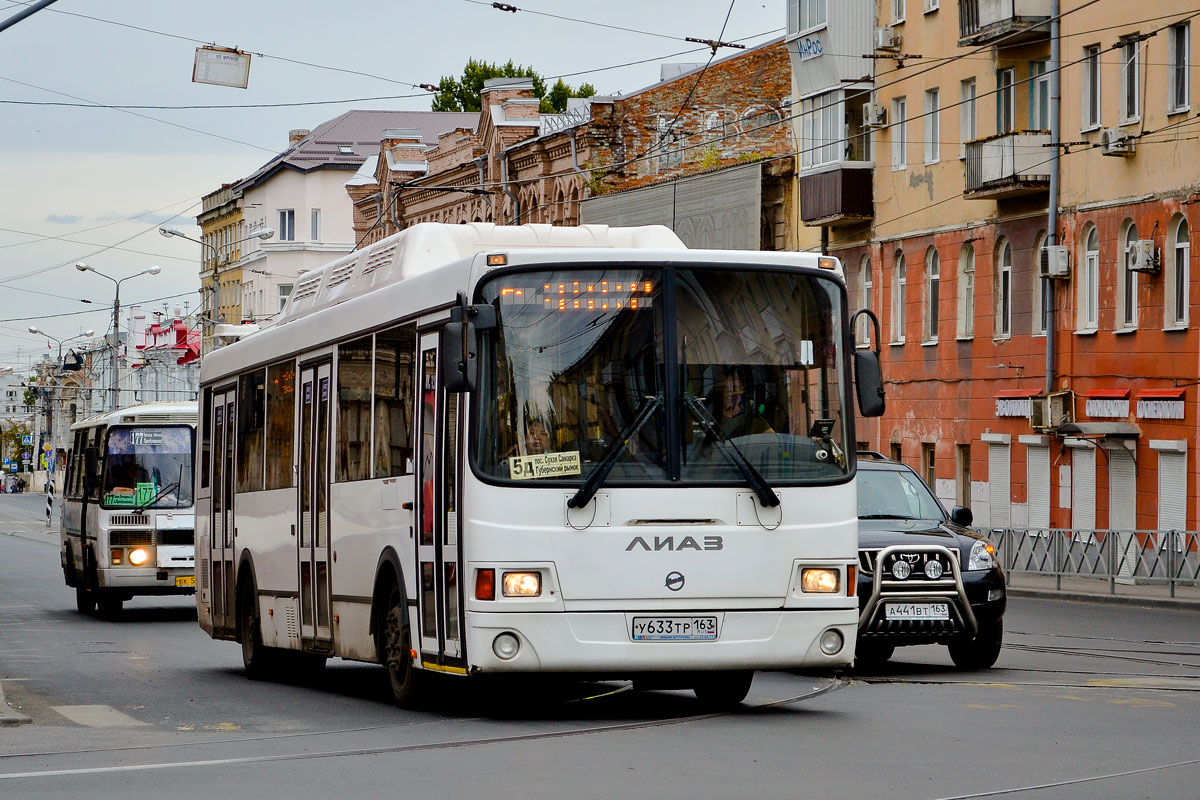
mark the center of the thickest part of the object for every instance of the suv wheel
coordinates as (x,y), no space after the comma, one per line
(872,655)
(980,652)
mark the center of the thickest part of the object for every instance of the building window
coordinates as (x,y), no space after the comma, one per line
(899,134)
(933,280)
(1004,291)
(1040,315)
(897,11)
(1127,279)
(966,292)
(862,333)
(967,118)
(316,225)
(1178,275)
(1130,81)
(1039,107)
(804,15)
(962,492)
(933,126)
(285,291)
(821,129)
(1006,99)
(1091,87)
(929,466)
(287,225)
(1089,282)
(899,286)
(1179,42)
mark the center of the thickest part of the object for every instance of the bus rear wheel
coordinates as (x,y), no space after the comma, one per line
(723,689)
(397,651)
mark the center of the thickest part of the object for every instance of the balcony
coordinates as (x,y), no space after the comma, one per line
(983,21)
(1008,165)
(837,196)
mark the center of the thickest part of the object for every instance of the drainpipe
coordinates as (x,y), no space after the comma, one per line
(487,196)
(1052,216)
(504,188)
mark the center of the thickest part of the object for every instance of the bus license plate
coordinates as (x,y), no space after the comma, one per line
(185,580)
(674,629)
(918,611)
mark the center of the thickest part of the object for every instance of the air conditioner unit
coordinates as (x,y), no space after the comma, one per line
(1053,262)
(874,115)
(1048,412)
(1115,143)
(886,39)
(1142,257)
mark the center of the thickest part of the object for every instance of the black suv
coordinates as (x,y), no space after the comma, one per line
(923,577)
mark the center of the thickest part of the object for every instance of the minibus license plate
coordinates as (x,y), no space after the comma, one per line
(918,611)
(185,580)
(674,629)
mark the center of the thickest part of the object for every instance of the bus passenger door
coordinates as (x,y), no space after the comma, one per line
(313,542)
(437,513)
(224,586)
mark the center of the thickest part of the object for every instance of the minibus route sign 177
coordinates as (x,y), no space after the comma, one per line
(544,465)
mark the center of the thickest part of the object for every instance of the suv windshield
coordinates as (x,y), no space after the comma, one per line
(895,493)
(149,467)
(661,373)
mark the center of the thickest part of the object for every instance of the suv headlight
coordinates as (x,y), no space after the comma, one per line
(983,556)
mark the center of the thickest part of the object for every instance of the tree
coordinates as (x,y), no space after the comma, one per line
(10,440)
(462,94)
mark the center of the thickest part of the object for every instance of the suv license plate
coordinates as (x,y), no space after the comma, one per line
(918,610)
(674,629)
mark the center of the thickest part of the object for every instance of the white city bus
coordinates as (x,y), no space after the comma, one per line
(127,521)
(476,449)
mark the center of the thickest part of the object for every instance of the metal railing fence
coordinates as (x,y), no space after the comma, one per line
(1141,557)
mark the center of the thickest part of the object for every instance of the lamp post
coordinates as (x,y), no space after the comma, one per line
(114,386)
(261,233)
(54,426)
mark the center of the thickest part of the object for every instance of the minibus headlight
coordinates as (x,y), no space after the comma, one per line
(819,580)
(522,584)
(138,557)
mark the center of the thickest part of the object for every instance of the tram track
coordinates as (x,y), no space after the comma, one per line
(833,685)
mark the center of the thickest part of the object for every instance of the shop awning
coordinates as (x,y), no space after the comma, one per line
(1098,430)
(1161,394)
(1106,394)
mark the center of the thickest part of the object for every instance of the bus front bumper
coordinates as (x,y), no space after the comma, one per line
(148,580)
(604,643)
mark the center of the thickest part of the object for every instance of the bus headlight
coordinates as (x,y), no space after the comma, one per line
(822,580)
(522,584)
(138,557)
(831,642)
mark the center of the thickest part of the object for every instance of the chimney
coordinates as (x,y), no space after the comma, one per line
(296,134)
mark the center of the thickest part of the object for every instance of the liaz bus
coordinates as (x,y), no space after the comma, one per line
(474,449)
(127,520)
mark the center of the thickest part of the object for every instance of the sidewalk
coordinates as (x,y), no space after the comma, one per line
(1097,590)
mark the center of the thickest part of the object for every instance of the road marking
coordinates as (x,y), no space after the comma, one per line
(98,716)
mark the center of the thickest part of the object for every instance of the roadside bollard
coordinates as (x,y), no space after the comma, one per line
(49,501)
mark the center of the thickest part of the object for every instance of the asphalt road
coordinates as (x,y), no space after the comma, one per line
(1088,700)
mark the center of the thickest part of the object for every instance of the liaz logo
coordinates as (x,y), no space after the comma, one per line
(669,543)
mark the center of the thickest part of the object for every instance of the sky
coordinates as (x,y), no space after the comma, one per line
(84,177)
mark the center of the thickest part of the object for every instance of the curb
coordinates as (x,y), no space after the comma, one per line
(10,717)
(1108,599)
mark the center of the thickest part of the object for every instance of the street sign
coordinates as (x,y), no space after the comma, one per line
(27,439)
(46,448)
(26,456)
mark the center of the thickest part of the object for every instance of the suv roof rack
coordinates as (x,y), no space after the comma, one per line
(872,455)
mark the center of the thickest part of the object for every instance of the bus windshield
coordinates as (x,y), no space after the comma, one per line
(148,467)
(663,375)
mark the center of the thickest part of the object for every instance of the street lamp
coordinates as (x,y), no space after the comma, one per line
(50,412)
(261,233)
(114,387)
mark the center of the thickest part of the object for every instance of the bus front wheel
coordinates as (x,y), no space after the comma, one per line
(723,689)
(397,651)
(85,600)
(258,659)
(109,602)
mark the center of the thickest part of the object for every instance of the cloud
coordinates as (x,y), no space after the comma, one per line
(148,217)
(64,219)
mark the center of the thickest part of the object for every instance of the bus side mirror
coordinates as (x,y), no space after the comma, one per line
(868,375)
(91,467)
(459,343)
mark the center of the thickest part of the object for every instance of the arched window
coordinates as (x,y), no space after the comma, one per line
(1177,274)
(933,280)
(1002,328)
(1127,279)
(862,333)
(1088,281)
(899,288)
(966,291)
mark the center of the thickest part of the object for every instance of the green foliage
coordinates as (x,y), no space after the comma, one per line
(10,439)
(463,94)
(594,183)
(31,394)
(710,157)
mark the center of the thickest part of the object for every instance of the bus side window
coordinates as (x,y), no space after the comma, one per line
(395,359)
(206,437)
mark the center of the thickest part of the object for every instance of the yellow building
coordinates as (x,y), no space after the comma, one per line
(222,230)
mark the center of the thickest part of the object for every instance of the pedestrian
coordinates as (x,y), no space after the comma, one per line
(20,484)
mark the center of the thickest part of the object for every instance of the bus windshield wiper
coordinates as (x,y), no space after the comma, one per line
(169,487)
(600,473)
(766,495)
